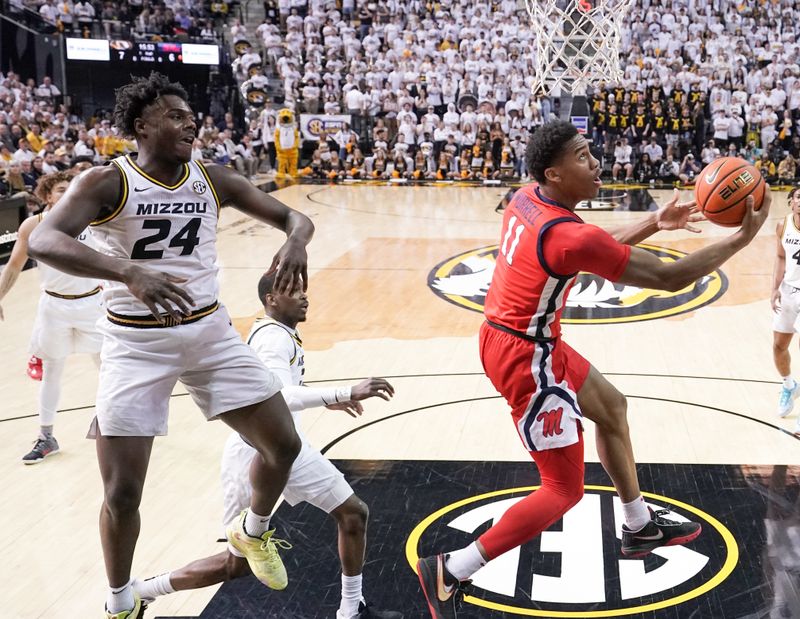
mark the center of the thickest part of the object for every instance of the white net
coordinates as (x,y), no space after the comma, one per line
(577,42)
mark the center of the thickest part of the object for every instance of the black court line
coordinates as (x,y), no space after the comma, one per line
(349,433)
(414,410)
(310,197)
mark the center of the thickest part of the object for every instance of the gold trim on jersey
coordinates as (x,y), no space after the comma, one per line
(71,297)
(210,184)
(122,200)
(159,183)
(151,322)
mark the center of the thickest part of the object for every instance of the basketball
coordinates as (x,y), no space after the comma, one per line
(722,188)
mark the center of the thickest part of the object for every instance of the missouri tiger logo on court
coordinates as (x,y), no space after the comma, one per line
(464,280)
(575,568)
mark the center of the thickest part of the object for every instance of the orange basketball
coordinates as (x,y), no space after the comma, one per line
(723,186)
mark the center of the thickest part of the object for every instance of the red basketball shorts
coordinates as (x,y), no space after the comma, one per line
(540,382)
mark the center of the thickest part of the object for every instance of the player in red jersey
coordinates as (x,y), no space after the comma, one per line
(549,386)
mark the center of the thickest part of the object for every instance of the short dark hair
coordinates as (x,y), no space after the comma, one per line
(792,191)
(133,98)
(546,145)
(265,285)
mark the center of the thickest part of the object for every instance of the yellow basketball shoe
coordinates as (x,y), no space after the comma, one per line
(261,553)
(137,612)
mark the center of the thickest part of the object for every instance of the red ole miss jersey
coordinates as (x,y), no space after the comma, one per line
(543,246)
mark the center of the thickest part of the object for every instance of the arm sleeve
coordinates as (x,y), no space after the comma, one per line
(276,349)
(572,247)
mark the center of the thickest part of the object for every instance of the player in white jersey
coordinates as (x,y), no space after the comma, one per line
(313,478)
(156,216)
(65,324)
(786,302)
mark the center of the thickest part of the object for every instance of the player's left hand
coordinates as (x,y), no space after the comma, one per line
(351,407)
(677,216)
(291,264)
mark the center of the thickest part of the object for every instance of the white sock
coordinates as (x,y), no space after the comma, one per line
(120,599)
(351,595)
(636,514)
(465,562)
(152,587)
(789,382)
(255,525)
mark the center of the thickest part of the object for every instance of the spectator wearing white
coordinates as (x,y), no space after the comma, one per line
(668,170)
(622,159)
(468,118)
(736,128)
(49,12)
(721,124)
(47,89)
(408,131)
(768,129)
(84,12)
(709,153)
(23,152)
(66,15)
(342,137)
(654,150)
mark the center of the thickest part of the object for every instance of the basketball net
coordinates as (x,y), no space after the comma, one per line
(577,42)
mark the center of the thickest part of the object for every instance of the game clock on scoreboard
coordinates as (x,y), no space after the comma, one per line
(146,52)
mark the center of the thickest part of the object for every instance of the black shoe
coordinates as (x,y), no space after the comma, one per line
(442,590)
(365,611)
(42,447)
(658,532)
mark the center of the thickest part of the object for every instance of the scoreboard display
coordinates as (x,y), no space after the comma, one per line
(141,52)
(127,51)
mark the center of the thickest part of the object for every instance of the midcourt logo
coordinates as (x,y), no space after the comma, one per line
(464,280)
(575,568)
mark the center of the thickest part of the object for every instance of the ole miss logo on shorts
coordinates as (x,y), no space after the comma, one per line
(464,280)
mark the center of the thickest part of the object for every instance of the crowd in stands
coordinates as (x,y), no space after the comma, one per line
(442,90)
(172,19)
(704,78)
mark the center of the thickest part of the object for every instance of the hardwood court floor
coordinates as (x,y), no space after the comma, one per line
(701,383)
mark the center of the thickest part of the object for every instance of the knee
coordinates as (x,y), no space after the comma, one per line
(352,519)
(573,496)
(123,498)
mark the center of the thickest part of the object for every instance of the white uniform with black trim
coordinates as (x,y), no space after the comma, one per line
(170,229)
(313,478)
(786,319)
(69,308)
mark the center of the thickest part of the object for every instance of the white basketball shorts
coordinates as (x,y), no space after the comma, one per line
(67,326)
(140,367)
(313,479)
(785,319)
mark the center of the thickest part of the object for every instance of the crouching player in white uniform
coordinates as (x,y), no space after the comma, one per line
(69,308)
(312,479)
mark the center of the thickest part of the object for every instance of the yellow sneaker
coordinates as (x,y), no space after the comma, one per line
(261,553)
(136,613)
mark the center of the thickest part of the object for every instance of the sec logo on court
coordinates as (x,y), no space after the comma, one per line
(575,569)
(464,280)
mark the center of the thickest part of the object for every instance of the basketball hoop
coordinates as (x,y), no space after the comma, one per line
(577,42)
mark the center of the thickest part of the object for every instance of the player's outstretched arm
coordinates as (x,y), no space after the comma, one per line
(647,271)
(291,261)
(54,242)
(673,215)
(18,258)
